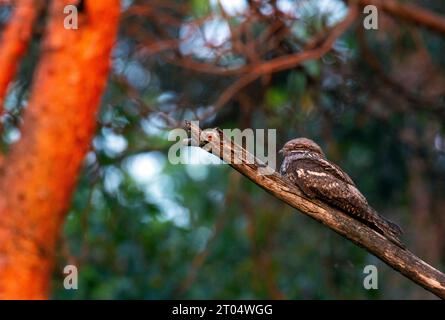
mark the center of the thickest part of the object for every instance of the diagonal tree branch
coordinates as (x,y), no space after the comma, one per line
(409,12)
(401,260)
(14,41)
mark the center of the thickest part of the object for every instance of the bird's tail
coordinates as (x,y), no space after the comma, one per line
(389,229)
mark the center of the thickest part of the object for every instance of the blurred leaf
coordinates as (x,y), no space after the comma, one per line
(307,102)
(313,68)
(276,97)
(200,7)
(296,82)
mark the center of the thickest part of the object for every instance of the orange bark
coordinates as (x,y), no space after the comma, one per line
(14,41)
(39,173)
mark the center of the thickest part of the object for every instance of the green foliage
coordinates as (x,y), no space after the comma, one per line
(200,7)
(276,97)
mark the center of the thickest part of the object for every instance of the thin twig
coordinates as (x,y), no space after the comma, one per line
(410,12)
(283,63)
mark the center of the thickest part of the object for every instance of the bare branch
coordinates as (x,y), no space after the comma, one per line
(401,260)
(284,62)
(290,61)
(410,12)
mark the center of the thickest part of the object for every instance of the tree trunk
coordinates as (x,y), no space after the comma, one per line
(14,41)
(39,173)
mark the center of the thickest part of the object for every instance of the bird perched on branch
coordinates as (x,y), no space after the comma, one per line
(306,166)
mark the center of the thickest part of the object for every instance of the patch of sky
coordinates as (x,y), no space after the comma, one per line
(146,169)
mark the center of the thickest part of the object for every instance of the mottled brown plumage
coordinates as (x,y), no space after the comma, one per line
(306,166)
